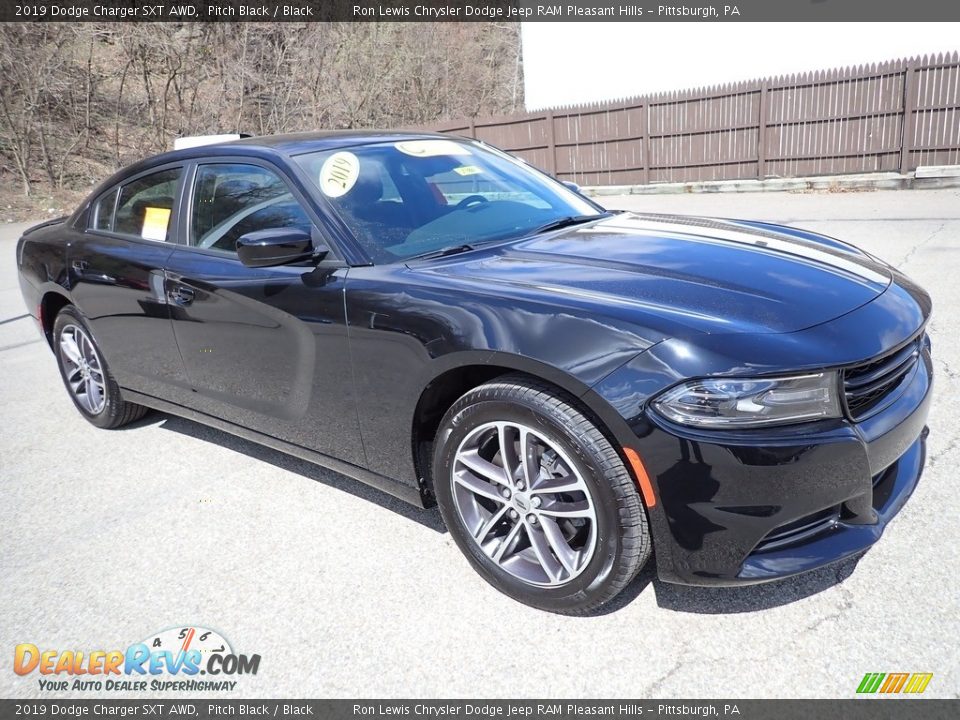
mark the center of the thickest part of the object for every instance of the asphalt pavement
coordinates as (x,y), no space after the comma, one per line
(111,536)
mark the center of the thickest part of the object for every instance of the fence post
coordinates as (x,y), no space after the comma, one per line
(551,145)
(762,131)
(909,106)
(645,140)
(473,127)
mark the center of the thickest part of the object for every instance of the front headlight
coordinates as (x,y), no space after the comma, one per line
(751,402)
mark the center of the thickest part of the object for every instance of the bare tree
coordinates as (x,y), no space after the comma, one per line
(78,100)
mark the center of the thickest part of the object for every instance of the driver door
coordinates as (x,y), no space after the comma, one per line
(264,348)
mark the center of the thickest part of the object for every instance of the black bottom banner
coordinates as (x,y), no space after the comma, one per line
(849,709)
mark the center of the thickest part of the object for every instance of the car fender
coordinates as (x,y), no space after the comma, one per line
(42,263)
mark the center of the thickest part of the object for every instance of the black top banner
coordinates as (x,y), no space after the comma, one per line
(477,11)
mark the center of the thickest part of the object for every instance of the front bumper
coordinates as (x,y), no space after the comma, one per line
(836,539)
(748,507)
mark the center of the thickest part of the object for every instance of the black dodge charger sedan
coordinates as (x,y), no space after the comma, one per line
(573,387)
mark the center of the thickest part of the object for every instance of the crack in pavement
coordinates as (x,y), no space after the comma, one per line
(948,371)
(936,457)
(841,605)
(844,603)
(913,250)
(655,685)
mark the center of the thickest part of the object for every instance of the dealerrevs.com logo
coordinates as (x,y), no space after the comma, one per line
(177,659)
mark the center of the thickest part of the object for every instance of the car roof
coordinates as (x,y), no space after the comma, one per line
(265,147)
(294,143)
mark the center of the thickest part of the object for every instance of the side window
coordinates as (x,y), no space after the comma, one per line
(230,200)
(144,206)
(102,217)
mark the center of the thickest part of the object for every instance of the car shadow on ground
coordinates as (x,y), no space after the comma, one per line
(730,600)
(429,518)
(679,598)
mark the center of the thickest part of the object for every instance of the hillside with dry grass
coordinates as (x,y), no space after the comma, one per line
(78,101)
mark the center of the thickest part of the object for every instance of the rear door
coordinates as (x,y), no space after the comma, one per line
(265,348)
(116,276)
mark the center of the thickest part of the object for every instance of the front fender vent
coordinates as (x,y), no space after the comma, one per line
(799,531)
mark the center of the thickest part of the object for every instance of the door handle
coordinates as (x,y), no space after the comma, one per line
(181,295)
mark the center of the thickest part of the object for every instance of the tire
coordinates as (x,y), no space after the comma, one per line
(581,488)
(89,383)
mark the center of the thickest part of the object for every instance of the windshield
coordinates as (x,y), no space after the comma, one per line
(413,197)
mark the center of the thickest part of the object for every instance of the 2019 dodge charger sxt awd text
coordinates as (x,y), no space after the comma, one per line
(574,387)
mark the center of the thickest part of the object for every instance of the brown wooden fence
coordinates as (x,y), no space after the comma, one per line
(894,116)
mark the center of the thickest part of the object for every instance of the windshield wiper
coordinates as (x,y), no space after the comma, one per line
(567,221)
(442,252)
(561,222)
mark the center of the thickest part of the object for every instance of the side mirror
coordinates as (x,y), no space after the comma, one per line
(277,246)
(571,186)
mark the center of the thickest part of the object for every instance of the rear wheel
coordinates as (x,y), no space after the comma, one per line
(537,498)
(86,375)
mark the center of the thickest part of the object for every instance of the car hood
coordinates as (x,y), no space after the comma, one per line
(714,276)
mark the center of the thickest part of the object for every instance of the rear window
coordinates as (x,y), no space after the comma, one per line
(145,205)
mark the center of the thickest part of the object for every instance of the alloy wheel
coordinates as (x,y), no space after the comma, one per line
(524,503)
(83,369)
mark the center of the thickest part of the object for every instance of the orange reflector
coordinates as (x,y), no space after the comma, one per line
(643,480)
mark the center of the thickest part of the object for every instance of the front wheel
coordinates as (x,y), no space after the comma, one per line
(537,498)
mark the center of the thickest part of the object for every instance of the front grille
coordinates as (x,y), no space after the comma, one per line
(799,530)
(866,386)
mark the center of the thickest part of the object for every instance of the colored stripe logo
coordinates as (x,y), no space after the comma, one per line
(892,683)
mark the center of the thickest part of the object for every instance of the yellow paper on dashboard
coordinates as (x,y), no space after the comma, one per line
(155,223)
